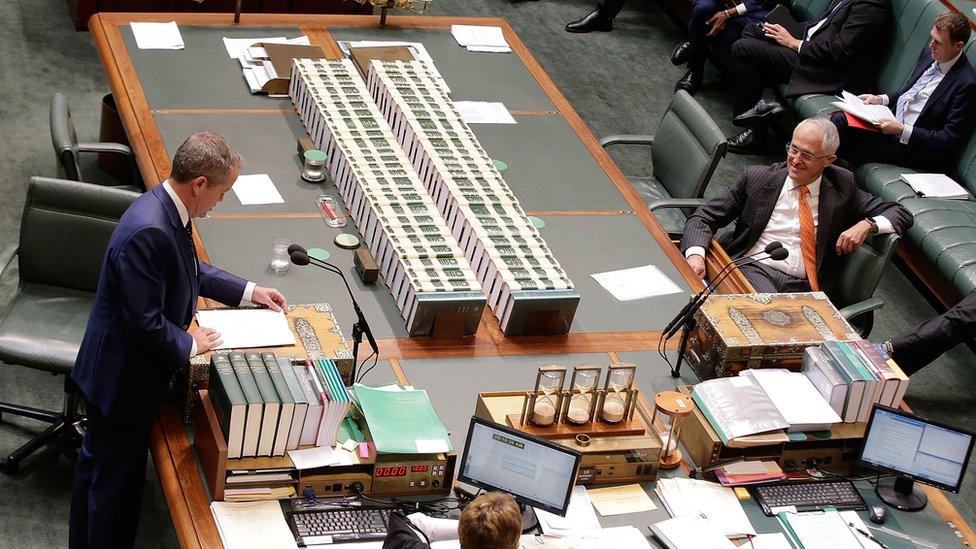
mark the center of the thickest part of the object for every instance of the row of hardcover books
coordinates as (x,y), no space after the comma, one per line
(506,251)
(853,376)
(266,405)
(418,257)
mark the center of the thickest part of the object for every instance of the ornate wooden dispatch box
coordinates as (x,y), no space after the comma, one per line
(737,331)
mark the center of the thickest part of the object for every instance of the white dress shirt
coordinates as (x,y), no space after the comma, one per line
(915,106)
(784,226)
(184,219)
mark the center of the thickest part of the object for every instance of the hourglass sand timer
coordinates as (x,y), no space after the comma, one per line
(542,404)
(671,408)
(619,393)
(582,395)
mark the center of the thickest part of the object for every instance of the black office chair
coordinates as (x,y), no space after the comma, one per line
(64,232)
(67,148)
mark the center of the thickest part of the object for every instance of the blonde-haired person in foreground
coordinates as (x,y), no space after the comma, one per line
(491,521)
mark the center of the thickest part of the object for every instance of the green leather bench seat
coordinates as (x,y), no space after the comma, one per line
(884,181)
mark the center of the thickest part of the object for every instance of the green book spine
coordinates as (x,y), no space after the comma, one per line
(225,393)
(254,403)
(277,378)
(272,404)
(262,378)
(859,365)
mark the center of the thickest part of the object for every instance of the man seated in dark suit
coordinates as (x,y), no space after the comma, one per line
(139,333)
(813,208)
(838,51)
(491,521)
(713,21)
(934,111)
(928,340)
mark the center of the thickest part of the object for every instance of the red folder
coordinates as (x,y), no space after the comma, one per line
(856,122)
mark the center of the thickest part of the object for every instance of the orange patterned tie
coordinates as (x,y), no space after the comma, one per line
(808,238)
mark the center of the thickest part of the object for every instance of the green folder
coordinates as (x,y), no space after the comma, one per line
(402,421)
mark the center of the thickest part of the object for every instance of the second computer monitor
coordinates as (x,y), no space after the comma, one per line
(536,471)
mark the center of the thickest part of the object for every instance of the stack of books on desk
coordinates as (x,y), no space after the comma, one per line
(418,257)
(519,273)
(267,405)
(853,376)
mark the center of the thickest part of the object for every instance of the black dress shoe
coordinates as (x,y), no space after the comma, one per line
(759,115)
(681,53)
(747,142)
(690,82)
(593,21)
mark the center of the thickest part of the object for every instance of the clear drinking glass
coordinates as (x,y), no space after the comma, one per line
(280,262)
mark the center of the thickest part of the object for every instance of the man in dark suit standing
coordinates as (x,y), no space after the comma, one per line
(934,111)
(814,209)
(139,333)
(838,51)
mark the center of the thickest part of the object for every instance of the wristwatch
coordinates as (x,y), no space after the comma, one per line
(874,225)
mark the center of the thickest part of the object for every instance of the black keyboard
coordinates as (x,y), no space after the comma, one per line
(808,496)
(338,526)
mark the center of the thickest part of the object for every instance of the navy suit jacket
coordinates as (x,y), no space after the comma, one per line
(749,203)
(147,292)
(947,118)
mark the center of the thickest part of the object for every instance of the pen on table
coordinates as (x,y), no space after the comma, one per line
(867,535)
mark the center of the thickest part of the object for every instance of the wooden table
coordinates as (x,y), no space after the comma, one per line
(175,461)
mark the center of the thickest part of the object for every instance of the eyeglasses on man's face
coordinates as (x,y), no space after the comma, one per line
(804,155)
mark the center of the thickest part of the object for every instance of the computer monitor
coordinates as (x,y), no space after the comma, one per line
(536,471)
(914,449)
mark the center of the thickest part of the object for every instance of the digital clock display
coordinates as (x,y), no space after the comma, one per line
(390,471)
(419,468)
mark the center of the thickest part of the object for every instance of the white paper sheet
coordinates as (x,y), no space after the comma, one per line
(245,328)
(935,185)
(579,515)
(683,496)
(418,50)
(256,189)
(771,541)
(484,112)
(320,456)
(693,531)
(252,525)
(236,46)
(636,283)
(157,36)
(873,114)
(827,529)
(486,38)
(620,500)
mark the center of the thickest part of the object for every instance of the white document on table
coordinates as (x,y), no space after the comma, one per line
(770,541)
(252,525)
(816,530)
(579,516)
(246,328)
(636,283)
(309,458)
(256,189)
(416,48)
(620,500)
(691,531)
(935,185)
(157,36)
(481,38)
(684,496)
(236,46)
(484,112)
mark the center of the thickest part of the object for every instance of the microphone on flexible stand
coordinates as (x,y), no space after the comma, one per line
(299,256)
(773,250)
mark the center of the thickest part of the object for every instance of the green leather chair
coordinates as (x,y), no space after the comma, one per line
(64,232)
(67,148)
(859,276)
(685,150)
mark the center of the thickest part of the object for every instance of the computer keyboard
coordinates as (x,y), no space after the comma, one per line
(808,496)
(338,525)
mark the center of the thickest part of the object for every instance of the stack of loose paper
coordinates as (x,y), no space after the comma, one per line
(691,531)
(246,328)
(749,472)
(402,421)
(257,525)
(636,283)
(798,401)
(235,46)
(579,515)
(872,114)
(817,530)
(484,112)
(157,36)
(480,38)
(255,63)
(935,185)
(683,496)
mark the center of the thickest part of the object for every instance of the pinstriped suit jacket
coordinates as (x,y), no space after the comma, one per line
(750,201)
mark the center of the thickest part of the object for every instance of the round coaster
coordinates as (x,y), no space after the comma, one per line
(315,155)
(537,222)
(347,241)
(319,253)
(499,165)
(797,437)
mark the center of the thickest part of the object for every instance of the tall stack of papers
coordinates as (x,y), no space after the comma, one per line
(872,114)
(418,257)
(935,185)
(157,36)
(402,421)
(797,400)
(257,525)
(692,531)
(481,39)
(683,496)
(510,258)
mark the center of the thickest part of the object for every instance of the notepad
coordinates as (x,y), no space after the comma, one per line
(157,36)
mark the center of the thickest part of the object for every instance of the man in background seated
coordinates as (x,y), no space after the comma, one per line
(934,111)
(709,21)
(600,19)
(927,341)
(838,51)
(492,520)
(813,208)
